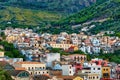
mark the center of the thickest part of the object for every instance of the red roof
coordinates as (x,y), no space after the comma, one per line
(72,47)
(107,79)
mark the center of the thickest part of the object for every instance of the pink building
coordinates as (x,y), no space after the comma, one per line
(78,67)
(78,58)
(118,72)
(100,62)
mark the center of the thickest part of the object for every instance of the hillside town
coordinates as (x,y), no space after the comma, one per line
(60,56)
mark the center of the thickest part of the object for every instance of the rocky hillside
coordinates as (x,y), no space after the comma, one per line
(66,6)
(25,13)
(20,17)
(105,16)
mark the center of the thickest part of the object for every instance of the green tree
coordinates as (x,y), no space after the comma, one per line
(118,34)
(2,34)
(4,75)
(78,52)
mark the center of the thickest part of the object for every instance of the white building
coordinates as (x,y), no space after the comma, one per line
(34,68)
(74,39)
(96,69)
(52,57)
(86,49)
(96,49)
(67,70)
(95,42)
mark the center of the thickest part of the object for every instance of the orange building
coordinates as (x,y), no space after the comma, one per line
(106,71)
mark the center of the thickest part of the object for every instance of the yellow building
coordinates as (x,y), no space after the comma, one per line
(76,48)
(78,78)
(73,48)
(34,68)
(1,47)
(90,76)
(62,46)
(12,38)
(106,72)
(86,75)
(1,54)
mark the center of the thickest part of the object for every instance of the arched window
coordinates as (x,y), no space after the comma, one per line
(35,72)
(43,67)
(84,58)
(78,59)
(97,77)
(23,74)
(75,58)
(89,77)
(31,73)
(81,58)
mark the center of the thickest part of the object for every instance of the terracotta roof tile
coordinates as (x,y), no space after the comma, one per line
(66,77)
(28,62)
(15,72)
(20,68)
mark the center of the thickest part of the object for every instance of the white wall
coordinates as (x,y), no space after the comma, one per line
(67,70)
(50,57)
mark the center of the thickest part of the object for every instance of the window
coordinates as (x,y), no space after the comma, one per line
(72,65)
(93,68)
(70,72)
(32,67)
(106,75)
(98,68)
(31,73)
(97,77)
(28,68)
(78,68)
(40,67)
(74,58)
(43,72)
(78,64)
(84,58)
(81,58)
(43,67)
(78,59)
(106,69)
(89,77)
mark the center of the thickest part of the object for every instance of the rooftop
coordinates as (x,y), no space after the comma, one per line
(20,68)
(28,62)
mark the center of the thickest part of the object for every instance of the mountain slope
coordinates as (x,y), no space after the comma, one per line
(26,16)
(108,11)
(28,13)
(65,6)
